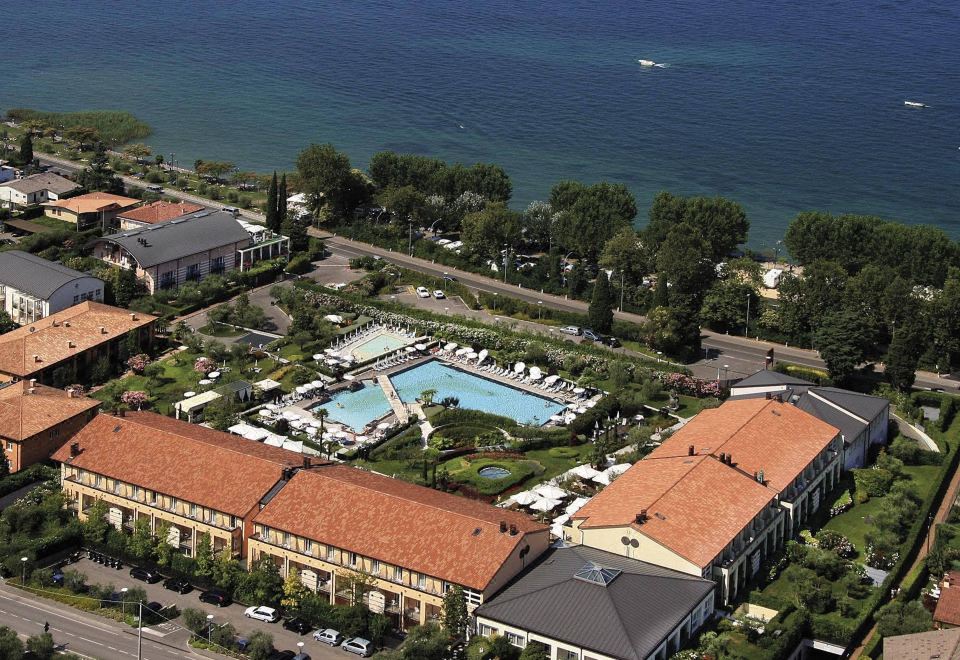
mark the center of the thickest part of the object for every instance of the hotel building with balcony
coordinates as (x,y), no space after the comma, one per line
(409,542)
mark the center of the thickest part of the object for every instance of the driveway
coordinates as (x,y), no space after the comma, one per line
(282,639)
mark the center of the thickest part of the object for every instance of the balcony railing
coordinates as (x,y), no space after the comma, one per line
(393,607)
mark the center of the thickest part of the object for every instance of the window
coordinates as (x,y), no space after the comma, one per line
(331,554)
(353,559)
(564,654)
(286,539)
(98,481)
(375,567)
(153,497)
(421,581)
(516,640)
(135,491)
(397,573)
(193,510)
(308,546)
(487,631)
(233,522)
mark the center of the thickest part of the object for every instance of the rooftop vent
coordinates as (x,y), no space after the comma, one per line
(690,450)
(66,324)
(641,517)
(723,457)
(70,344)
(74,449)
(476,532)
(36,358)
(503,526)
(133,317)
(103,330)
(513,530)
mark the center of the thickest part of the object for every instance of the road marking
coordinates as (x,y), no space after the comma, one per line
(23,601)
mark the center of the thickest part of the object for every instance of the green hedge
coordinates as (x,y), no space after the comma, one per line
(25,477)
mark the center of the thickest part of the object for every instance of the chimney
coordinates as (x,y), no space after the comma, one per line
(760,478)
(503,526)
(729,459)
(769,396)
(36,358)
(641,517)
(513,530)
(33,382)
(690,450)
(103,330)
(56,323)
(723,457)
(74,449)
(70,393)
(133,317)
(306,461)
(121,413)
(31,390)
(70,344)
(779,397)
(66,324)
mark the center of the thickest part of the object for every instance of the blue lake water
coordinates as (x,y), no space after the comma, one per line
(474,392)
(784,106)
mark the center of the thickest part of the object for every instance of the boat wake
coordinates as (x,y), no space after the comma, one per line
(650,64)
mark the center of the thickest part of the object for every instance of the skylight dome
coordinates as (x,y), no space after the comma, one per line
(597,574)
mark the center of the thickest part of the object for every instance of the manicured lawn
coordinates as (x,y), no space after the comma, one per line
(53,223)
(220,330)
(555,464)
(856,523)
(466,471)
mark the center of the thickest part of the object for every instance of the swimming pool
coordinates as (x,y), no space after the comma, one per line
(357,409)
(474,392)
(374,347)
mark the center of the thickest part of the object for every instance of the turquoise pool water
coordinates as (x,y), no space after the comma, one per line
(474,392)
(357,409)
(377,346)
(493,472)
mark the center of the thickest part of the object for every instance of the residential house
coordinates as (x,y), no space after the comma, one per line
(932,645)
(60,348)
(721,494)
(32,287)
(412,543)
(35,420)
(587,604)
(96,209)
(862,419)
(947,612)
(155,212)
(35,189)
(167,254)
(193,479)
(7,171)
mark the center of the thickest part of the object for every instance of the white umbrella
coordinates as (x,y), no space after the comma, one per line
(483,355)
(326,435)
(187,395)
(550,380)
(471,355)
(519,367)
(618,469)
(329,351)
(311,430)
(602,478)
(590,404)
(318,356)
(340,434)
(301,389)
(525,498)
(550,492)
(584,472)
(576,505)
(347,377)
(298,424)
(383,426)
(362,438)
(271,406)
(572,406)
(545,505)
(213,374)
(205,381)
(290,416)
(578,390)
(535,375)
(450,346)
(559,520)
(410,349)
(265,413)
(420,347)
(581,410)
(317,384)
(556,418)
(462,351)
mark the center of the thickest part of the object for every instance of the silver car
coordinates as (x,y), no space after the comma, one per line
(359,645)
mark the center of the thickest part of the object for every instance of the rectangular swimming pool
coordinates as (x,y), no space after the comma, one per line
(474,392)
(376,346)
(357,409)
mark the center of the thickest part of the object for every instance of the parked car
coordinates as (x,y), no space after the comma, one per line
(57,577)
(359,645)
(449,278)
(570,330)
(145,574)
(262,613)
(179,585)
(422,292)
(439,295)
(328,636)
(216,597)
(156,189)
(590,334)
(282,655)
(612,342)
(297,625)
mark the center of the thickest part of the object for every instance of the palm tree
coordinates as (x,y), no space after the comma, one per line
(321,414)
(329,446)
(427,396)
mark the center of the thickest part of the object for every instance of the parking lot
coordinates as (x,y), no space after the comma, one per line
(282,639)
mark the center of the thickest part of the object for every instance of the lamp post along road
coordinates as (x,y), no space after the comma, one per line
(23,570)
(746,327)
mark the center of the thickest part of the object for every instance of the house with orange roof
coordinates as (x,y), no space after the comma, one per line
(90,210)
(35,420)
(413,543)
(183,478)
(62,347)
(155,212)
(720,495)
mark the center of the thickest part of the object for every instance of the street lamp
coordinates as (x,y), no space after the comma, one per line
(209,627)
(23,570)
(123,600)
(726,368)
(659,356)
(299,649)
(445,276)
(410,238)
(539,310)
(746,327)
(494,301)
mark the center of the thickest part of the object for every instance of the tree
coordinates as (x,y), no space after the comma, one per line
(272,211)
(162,548)
(427,396)
(96,525)
(455,617)
(293,590)
(296,230)
(625,253)
(262,584)
(839,339)
(26,149)
(222,413)
(137,151)
(11,648)
(902,618)
(204,558)
(684,258)
(903,357)
(427,642)
(321,414)
(329,183)
(600,312)
(485,232)
(534,651)
(99,176)
(282,200)
(84,136)
(591,214)
(6,323)
(537,223)
(725,305)
(124,287)
(721,223)
(259,645)
(142,543)
(403,204)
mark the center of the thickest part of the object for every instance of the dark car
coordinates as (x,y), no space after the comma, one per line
(297,625)
(282,655)
(179,585)
(612,342)
(145,574)
(449,278)
(215,597)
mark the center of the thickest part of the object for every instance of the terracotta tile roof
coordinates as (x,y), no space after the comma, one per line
(760,434)
(186,461)
(423,530)
(93,202)
(160,211)
(948,607)
(24,414)
(695,504)
(50,338)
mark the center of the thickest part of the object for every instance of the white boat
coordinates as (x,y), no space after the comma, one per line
(915,104)
(647,63)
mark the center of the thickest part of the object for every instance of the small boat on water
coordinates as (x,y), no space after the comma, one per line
(647,63)
(915,104)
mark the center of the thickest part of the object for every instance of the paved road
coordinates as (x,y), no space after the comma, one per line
(737,356)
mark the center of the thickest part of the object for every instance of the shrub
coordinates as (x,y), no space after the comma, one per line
(875,482)
(195,621)
(299,264)
(837,542)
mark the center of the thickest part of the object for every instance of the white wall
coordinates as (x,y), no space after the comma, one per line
(72,293)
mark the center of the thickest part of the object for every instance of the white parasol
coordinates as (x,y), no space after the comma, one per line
(584,472)
(519,367)
(550,492)
(545,504)
(525,498)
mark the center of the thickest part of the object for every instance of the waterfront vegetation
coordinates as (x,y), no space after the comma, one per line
(109,126)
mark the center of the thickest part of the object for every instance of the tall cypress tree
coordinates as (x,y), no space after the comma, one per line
(282,198)
(600,311)
(26,149)
(661,295)
(273,220)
